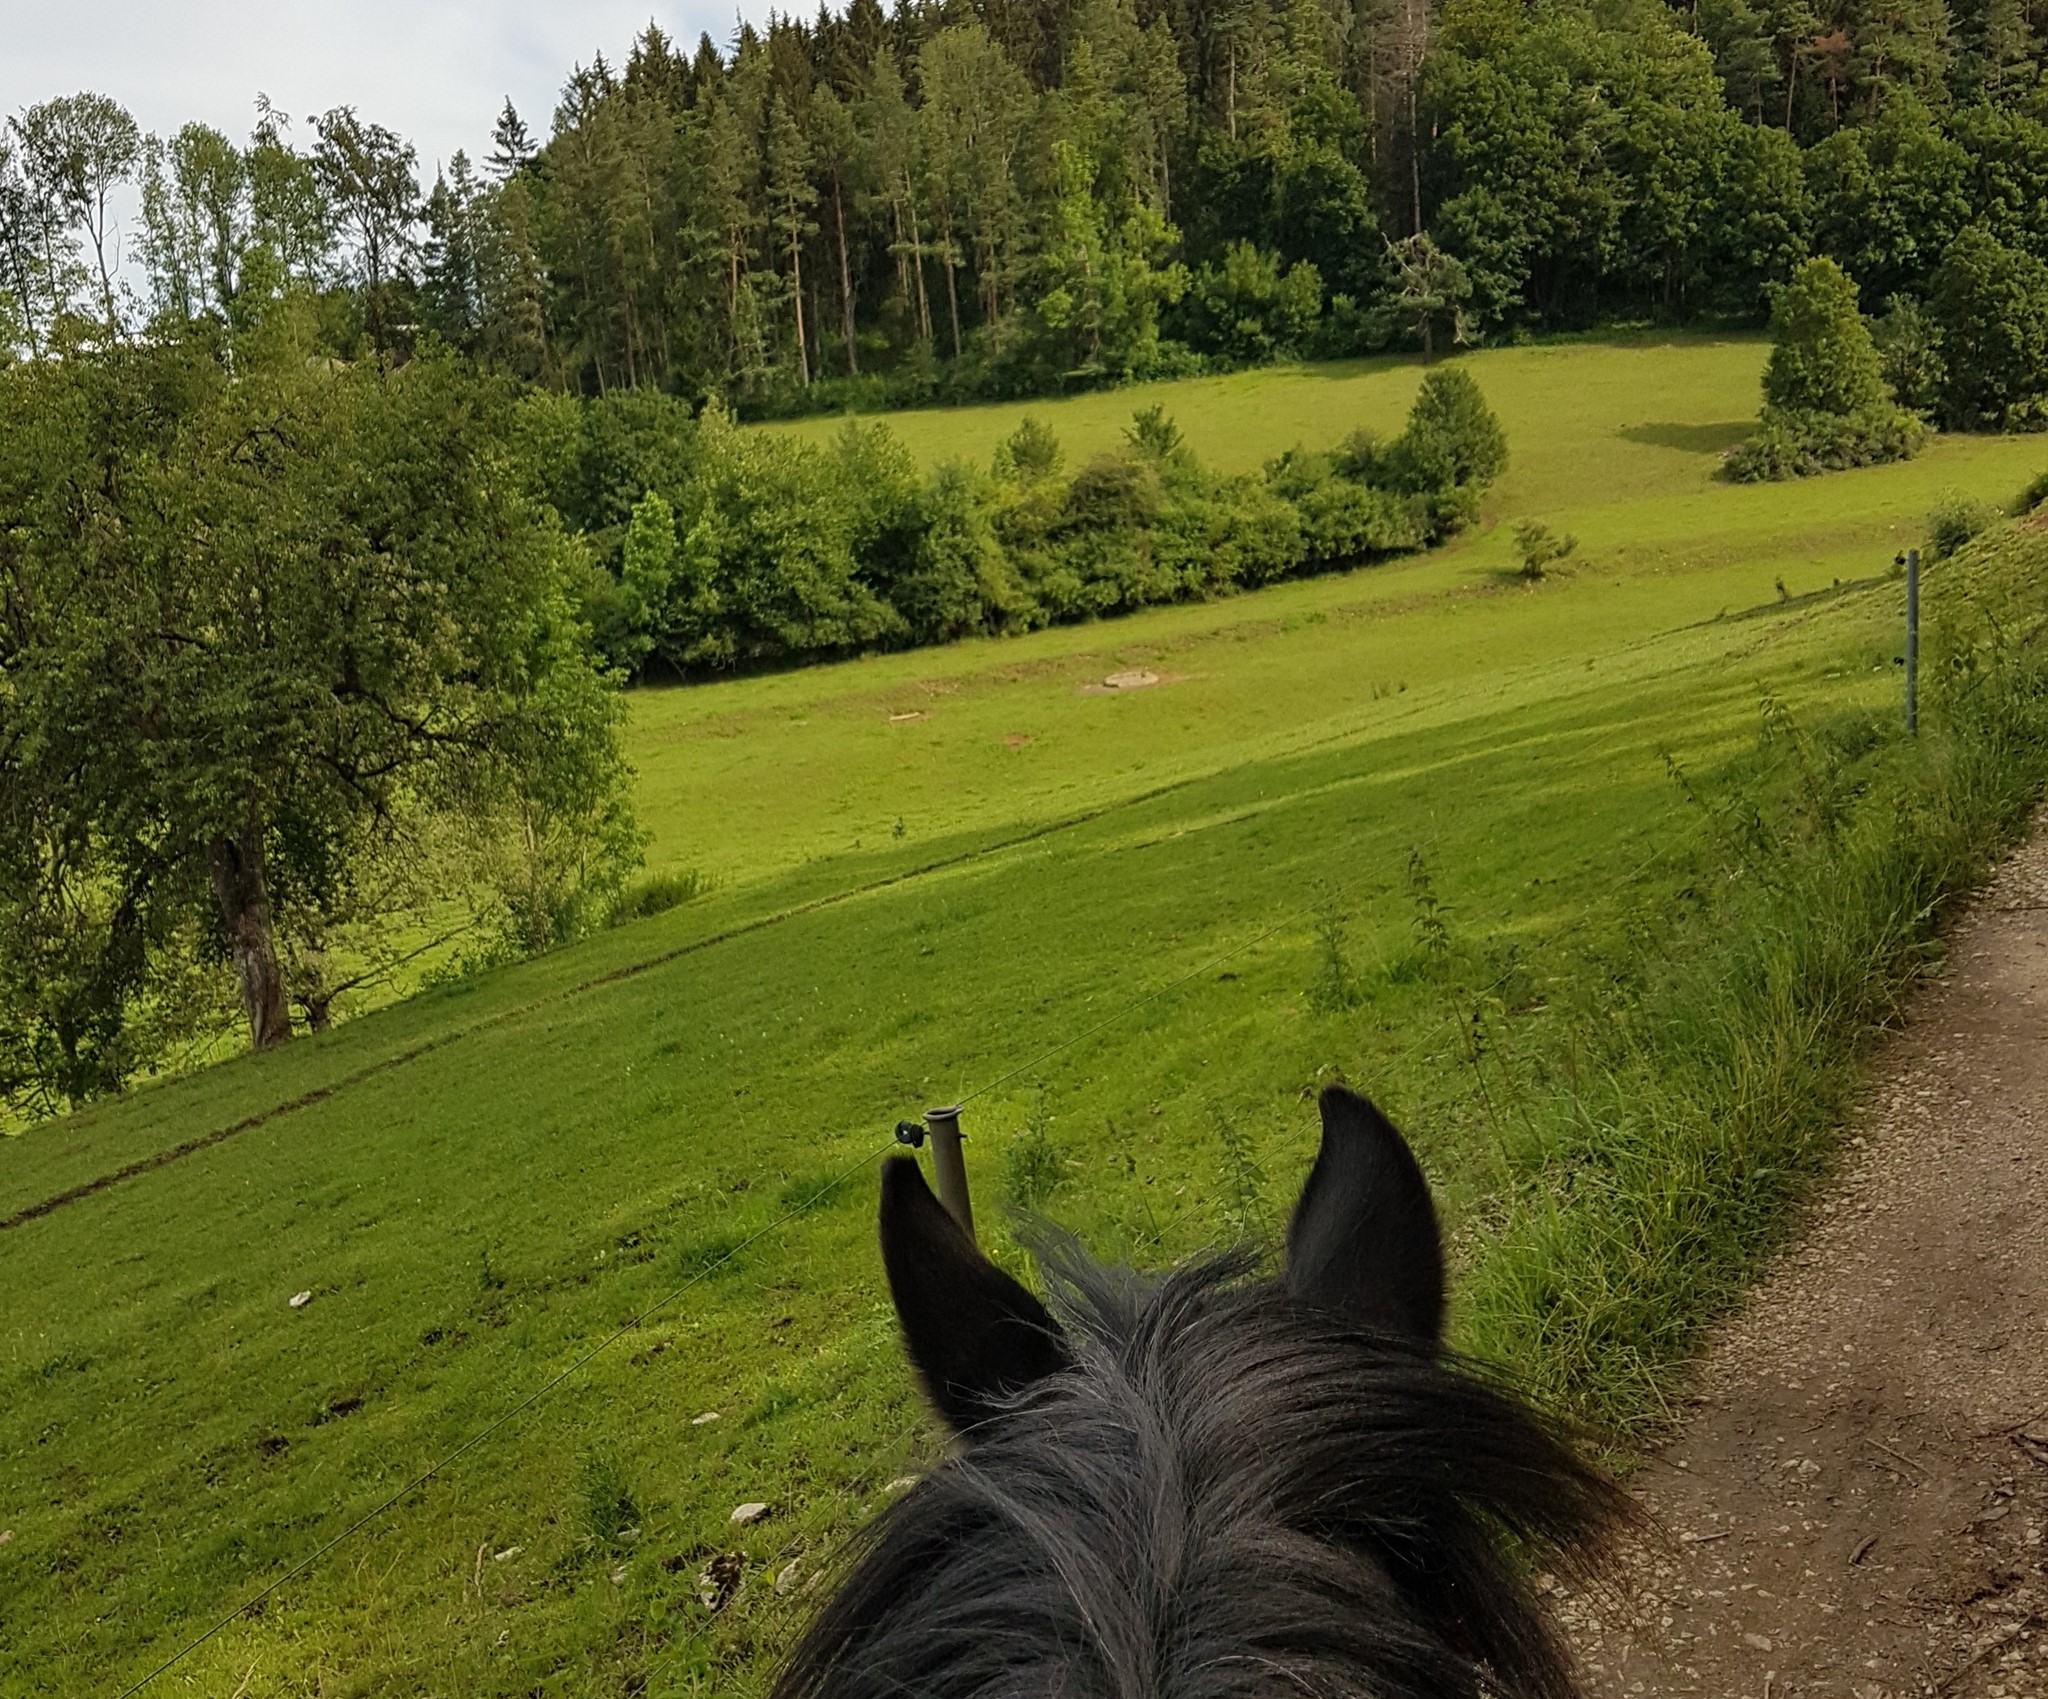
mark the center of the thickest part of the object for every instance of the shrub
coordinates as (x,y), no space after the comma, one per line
(1114,491)
(657,894)
(1248,311)
(1800,445)
(1908,344)
(1825,403)
(1156,437)
(1235,531)
(1346,521)
(958,580)
(1991,303)
(1539,548)
(1954,520)
(1822,358)
(1030,453)
(1452,449)
(2031,496)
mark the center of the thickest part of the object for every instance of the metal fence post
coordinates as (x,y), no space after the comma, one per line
(943,1127)
(1913,640)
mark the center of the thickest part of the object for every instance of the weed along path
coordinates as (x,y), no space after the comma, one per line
(1855,1505)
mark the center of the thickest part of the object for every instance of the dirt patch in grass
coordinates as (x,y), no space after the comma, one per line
(1135,678)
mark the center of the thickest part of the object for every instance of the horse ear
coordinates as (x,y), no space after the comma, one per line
(975,1336)
(1364,1237)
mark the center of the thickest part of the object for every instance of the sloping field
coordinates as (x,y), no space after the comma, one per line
(931,870)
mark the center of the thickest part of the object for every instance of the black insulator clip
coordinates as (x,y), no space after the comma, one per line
(910,1133)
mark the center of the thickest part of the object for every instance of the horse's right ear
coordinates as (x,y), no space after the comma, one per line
(977,1338)
(1364,1237)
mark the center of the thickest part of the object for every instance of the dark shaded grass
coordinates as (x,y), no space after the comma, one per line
(1682,1137)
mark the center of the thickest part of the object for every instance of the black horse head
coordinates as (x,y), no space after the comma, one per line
(1210,1486)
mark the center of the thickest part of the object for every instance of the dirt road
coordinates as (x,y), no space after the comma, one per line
(1854,1505)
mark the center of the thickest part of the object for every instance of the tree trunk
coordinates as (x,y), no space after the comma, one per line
(237,867)
(1414,157)
(952,284)
(845,280)
(796,294)
(924,305)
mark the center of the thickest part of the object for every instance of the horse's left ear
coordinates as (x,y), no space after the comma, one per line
(976,1336)
(1364,1237)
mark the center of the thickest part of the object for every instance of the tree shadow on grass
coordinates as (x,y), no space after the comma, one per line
(1694,439)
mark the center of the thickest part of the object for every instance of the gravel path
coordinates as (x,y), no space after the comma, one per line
(1855,1501)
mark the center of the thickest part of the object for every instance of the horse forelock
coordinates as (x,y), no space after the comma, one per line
(1228,1494)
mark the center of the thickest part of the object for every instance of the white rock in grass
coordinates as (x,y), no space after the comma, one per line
(902,1484)
(6,1536)
(746,1515)
(708,1416)
(508,1553)
(791,1571)
(301,1299)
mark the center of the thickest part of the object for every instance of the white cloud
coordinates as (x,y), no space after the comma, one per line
(436,71)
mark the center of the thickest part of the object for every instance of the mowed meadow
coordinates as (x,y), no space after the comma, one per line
(1403,825)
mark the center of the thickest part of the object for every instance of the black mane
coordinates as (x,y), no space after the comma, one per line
(1225,1491)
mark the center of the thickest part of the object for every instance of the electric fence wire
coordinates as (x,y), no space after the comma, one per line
(632,1323)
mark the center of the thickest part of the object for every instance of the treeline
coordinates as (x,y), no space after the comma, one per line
(982,197)
(713,547)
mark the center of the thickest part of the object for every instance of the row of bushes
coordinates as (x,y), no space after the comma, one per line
(713,547)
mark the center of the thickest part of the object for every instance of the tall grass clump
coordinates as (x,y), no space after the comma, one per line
(1691,1125)
(657,894)
(1334,986)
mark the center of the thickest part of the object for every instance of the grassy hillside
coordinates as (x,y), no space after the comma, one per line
(930,870)
(1616,443)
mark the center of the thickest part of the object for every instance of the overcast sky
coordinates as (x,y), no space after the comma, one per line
(436,71)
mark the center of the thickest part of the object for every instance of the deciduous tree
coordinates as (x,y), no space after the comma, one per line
(254,629)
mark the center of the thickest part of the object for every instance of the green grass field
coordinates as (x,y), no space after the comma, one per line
(929,870)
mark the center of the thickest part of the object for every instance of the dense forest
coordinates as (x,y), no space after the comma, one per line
(988,197)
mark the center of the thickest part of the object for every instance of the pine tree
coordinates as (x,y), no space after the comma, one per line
(791,196)
(512,147)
